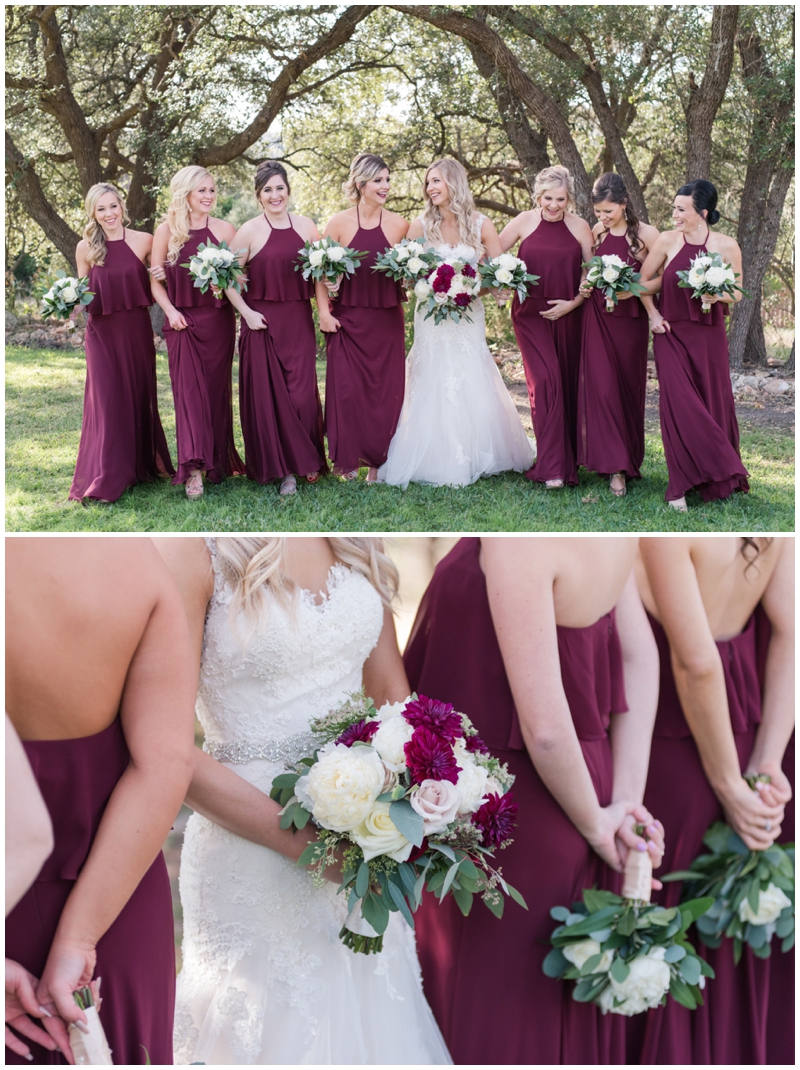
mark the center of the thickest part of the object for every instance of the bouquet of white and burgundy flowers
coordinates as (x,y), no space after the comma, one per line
(708,274)
(449,290)
(89,1048)
(507,272)
(407,261)
(612,275)
(64,295)
(412,799)
(216,266)
(752,892)
(328,260)
(625,953)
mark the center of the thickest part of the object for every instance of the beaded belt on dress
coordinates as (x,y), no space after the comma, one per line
(290,749)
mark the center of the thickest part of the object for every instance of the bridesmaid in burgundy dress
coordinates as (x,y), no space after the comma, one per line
(101,692)
(555,242)
(278,395)
(366,334)
(545,660)
(200,334)
(698,416)
(122,442)
(712,726)
(613,370)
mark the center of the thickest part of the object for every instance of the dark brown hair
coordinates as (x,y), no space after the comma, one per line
(267,169)
(749,544)
(610,187)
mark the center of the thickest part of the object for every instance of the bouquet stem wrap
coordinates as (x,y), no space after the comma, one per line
(359,935)
(90,1049)
(638,875)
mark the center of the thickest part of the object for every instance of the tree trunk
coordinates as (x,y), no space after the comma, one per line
(25,182)
(789,365)
(705,99)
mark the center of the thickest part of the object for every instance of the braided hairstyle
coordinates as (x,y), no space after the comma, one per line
(610,187)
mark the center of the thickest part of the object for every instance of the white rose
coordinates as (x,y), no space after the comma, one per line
(390,739)
(440,298)
(507,261)
(335,253)
(581,951)
(504,275)
(437,801)
(613,260)
(68,295)
(716,276)
(422,289)
(472,780)
(770,904)
(696,279)
(207,253)
(402,252)
(610,274)
(378,835)
(703,261)
(643,988)
(415,265)
(343,785)
(316,256)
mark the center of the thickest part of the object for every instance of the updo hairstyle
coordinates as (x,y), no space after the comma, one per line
(266,170)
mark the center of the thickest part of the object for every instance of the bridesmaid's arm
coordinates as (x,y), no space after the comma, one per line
(385,677)
(29,830)
(730,252)
(159,290)
(415,229)
(490,239)
(700,682)
(241,243)
(81,262)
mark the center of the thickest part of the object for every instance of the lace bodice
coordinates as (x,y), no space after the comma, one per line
(463,250)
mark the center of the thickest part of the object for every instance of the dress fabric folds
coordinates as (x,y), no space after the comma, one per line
(278,396)
(483,976)
(698,416)
(200,364)
(122,441)
(613,377)
(136,956)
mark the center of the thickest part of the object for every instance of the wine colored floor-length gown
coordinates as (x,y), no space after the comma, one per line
(731,1026)
(366,361)
(278,395)
(613,377)
(136,956)
(698,415)
(200,363)
(551,349)
(122,441)
(483,975)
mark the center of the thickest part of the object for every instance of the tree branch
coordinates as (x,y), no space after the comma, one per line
(23,179)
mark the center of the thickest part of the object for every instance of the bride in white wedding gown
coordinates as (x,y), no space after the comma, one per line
(288,628)
(458,421)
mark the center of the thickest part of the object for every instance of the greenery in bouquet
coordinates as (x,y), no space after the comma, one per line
(449,291)
(709,275)
(327,259)
(752,892)
(507,272)
(612,275)
(407,798)
(216,266)
(64,295)
(626,955)
(408,261)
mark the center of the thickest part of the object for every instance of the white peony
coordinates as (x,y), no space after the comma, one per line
(716,276)
(342,786)
(68,295)
(316,256)
(696,278)
(378,835)
(422,289)
(335,253)
(504,275)
(437,801)
(581,951)
(610,274)
(415,265)
(643,988)
(390,739)
(472,780)
(392,709)
(703,261)
(730,275)
(402,252)
(507,261)
(770,904)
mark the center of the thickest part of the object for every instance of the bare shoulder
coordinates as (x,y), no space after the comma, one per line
(138,238)
(648,234)
(578,225)
(161,231)
(305,226)
(222,229)
(82,248)
(415,230)
(725,243)
(512,560)
(189,561)
(341,221)
(598,229)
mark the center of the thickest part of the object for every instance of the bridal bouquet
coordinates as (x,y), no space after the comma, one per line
(625,953)
(507,272)
(328,260)
(407,261)
(90,1048)
(752,892)
(64,295)
(613,275)
(410,798)
(216,266)
(708,274)
(449,290)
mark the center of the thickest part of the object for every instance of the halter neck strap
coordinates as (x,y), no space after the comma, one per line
(358,217)
(290,227)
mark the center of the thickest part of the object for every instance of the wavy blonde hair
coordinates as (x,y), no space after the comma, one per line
(254,568)
(177,217)
(461,205)
(93,232)
(554,178)
(363,169)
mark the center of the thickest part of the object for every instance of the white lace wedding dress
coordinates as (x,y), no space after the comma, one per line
(458,421)
(265,978)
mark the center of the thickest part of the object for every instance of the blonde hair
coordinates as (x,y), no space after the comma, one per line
(554,178)
(177,217)
(253,567)
(461,205)
(363,169)
(93,232)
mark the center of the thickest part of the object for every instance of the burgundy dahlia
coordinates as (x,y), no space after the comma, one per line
(429,757)
(475,745)
(462,300)
(496,819)
(469,271)
(439,717)
(443,278)
(360,732)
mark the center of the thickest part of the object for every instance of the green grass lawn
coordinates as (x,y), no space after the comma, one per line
(44,391)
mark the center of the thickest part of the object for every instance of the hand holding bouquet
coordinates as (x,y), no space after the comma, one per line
(90,1048)
(326,259)
(709,275)
(507,272)
(66,294)
(449,290)
(407,261)
(613,275)
(216,266)
(412,799)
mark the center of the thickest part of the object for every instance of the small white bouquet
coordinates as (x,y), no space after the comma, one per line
(216,266)
(507,272)
(66,294)
(90,1048)
(328,260)
(407,261)
(613,275)
(449,290)
(709,275)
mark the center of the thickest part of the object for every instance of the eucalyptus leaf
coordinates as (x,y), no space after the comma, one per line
(619,970)
(555,964)
(690,970)
(463,898)
(400,900)
(559,913)
(362,880)
(674,953)
(407,821)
